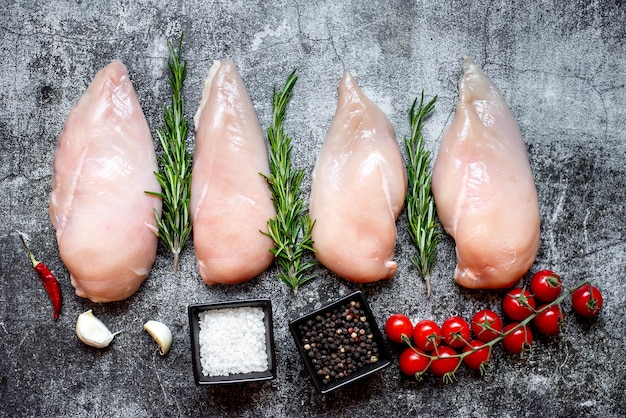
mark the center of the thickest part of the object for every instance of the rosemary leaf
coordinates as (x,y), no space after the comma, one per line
(420,202)
(174,174)
(291,228)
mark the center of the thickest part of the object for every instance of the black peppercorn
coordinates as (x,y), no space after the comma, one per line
(339,342)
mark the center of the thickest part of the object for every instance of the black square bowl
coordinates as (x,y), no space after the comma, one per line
(194,330)
(335,346)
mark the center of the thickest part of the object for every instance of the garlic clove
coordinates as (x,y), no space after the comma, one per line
(161,334)
(91,331)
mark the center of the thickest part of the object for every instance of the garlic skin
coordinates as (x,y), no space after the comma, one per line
(161,334)
(91,331)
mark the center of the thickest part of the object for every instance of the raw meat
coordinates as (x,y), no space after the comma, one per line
(358,189)
(484,188)
(103,164)
(230,201)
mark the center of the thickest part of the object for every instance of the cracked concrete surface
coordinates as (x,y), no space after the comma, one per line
(561,67)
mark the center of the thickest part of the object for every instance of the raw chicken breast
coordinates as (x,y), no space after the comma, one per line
(103,164)
(230,201)
(358,189)
(484,188)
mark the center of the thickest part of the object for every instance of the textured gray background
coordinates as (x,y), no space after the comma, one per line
(562,70)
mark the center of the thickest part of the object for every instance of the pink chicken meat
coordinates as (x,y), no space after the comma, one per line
(484,187)
(358,189)
(103,164)
(230,201)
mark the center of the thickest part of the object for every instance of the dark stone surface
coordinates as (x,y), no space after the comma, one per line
(562,69)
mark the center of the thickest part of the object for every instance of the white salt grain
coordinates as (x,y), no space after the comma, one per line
(232,341)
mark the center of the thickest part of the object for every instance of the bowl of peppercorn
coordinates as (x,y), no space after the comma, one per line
(340,343)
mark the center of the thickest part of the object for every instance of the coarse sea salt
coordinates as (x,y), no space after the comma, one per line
(232,341)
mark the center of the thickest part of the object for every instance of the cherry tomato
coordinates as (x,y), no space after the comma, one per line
(398,325)
(446,363)
(414,362)
(587,300)
(519,340)
(478,359)
(427,335)
(550,321)
(455,332)
(516,304)
(546,285)
(487,325)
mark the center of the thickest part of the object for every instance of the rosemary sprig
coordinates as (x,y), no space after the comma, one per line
(291,228)
(420,202)
(174,174)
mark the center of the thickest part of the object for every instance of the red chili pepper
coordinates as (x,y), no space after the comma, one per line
(50,282)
